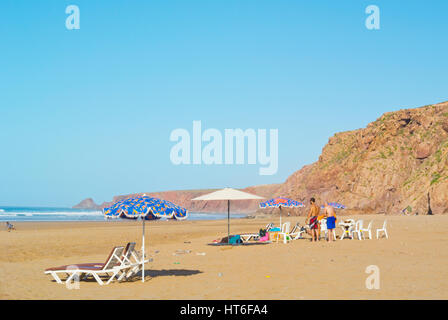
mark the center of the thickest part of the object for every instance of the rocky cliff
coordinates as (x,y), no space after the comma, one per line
(398,161)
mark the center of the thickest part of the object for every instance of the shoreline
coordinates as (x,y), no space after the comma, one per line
(73,217)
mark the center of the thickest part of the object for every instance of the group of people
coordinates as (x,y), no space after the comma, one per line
(314,220)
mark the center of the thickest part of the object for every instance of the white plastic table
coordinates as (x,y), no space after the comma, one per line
(347,227)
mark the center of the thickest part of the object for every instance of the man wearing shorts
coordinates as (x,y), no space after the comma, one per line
(312,220)
(331,220)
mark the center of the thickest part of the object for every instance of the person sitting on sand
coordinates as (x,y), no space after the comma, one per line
(312,220)
(331,220)
(9,226)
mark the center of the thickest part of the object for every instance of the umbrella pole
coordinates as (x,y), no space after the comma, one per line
(280,218)
(143,251)
(228,221)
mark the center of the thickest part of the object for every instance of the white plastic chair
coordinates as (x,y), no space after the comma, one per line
(285,232)
(357,230)
(368,230)
(323,227)
(383,230)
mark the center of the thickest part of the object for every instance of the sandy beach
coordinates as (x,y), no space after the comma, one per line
(412,261)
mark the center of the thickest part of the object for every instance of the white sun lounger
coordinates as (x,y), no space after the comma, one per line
(249,236)
(255,236)
(297,232)
(134,259)
(112,268)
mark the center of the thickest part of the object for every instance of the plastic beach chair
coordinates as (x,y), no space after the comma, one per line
(382,230)
(114,265)
(368,230)
(323,226)
(285,232)
(357,230)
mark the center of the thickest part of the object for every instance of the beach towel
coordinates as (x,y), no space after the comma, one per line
(331,222)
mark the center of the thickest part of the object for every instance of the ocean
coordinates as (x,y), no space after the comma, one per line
(67,214)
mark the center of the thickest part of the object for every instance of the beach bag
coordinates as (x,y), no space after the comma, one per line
(265,237)
(262,233)
(235,239)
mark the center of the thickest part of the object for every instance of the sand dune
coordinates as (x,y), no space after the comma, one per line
(412,262)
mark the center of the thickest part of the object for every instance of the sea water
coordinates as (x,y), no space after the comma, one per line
(67,214)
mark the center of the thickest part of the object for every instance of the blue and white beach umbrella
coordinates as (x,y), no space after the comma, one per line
(146,208)
(335,205)
(280,202)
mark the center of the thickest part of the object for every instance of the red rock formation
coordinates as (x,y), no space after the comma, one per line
(390,165)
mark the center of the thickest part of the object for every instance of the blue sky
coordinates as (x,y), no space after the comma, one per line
(88,113)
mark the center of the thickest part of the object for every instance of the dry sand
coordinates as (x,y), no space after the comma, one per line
(412,261)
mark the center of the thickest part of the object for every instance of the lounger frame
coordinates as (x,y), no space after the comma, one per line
(114,267)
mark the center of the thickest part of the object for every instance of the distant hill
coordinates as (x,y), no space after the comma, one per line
(86,204)
(398,161)
(183,198)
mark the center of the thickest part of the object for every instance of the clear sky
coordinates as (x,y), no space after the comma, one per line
(88,112)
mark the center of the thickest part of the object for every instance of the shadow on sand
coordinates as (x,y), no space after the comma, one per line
(149,274)
(170,272)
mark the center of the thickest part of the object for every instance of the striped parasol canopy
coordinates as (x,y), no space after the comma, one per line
(281,202)
(335,205)
(145,207)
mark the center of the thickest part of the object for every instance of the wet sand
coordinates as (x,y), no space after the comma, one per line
(412,262)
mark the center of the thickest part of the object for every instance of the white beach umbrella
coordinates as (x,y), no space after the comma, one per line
(228,194)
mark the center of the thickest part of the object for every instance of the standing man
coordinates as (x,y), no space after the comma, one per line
(312,220)
(331,220)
